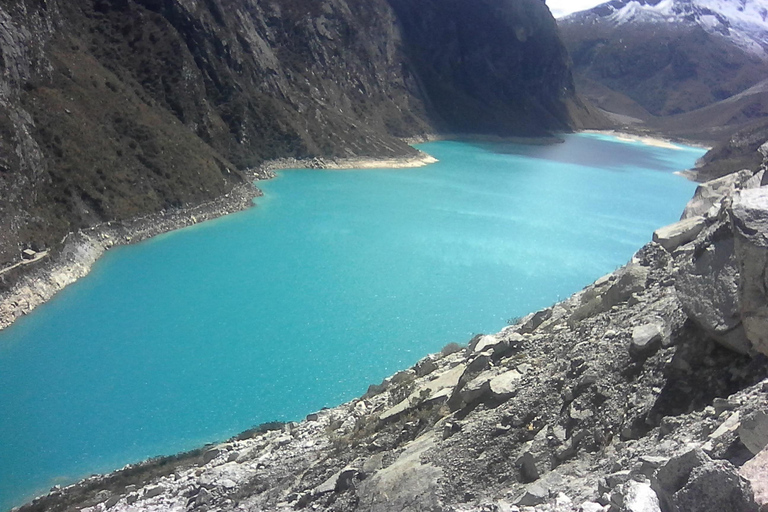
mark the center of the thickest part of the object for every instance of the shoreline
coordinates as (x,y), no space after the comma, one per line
(41,279)
(655,140)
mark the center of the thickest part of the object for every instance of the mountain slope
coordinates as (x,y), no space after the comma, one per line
(111,109)
(670,56)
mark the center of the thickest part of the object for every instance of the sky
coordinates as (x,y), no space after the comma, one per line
(561,8)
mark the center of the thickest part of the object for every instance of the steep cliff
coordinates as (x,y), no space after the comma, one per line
(111,109)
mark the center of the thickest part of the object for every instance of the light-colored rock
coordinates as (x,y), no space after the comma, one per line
(534,494)
(153,491)
(712,192)
(640,497)
(749,216)
(756,471)
(646,338)
(486,342)
(755,181)
(729,425)
(753,431)
(406,484)
(505,385)
(591,506)
(430,389)
(673,236)
(616,289)
(707,286)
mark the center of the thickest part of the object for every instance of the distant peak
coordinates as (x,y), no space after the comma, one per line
(743,21)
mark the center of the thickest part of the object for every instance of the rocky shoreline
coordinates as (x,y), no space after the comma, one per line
(645,392)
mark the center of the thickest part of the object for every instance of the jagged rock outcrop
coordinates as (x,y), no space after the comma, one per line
(616,399)
(111,109)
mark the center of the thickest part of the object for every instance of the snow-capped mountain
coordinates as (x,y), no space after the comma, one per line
(651,58)
(744,22)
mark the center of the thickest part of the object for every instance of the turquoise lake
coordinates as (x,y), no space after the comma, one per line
(335,280)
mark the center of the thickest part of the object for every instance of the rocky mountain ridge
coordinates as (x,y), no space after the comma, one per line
(744,22)
(647,391)
(651,61)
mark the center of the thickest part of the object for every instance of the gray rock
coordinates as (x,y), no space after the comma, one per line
(211,454)
(534,494)
(591,506)
(329,485)
(406,484)
(711,192)
(755,181)
(749,216)
(536,458)
(673,475)
(531,322)
(756,472)
(715,486)
(639,497)
(753,431)
(111,502)
(505,385)
(646,339)
(673,236)
(693,482)
(374,463)
(616,289)
(153,491)
(707,285)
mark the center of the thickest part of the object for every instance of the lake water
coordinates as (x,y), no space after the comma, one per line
(334,281)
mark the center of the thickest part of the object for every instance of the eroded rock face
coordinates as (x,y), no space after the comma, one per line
(707,285)
(749,215)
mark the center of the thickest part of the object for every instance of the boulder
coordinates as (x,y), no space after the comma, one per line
(673,236)
(749,216)
(536,458)
(753,431)
(153,491)
(610,291)
(639,497)
(212,453)
(711,192)
(646,339)
(755,181)
(707,285)
(715,486)
(756,471)
(406,484)
(693,482)
(505,385)
(534,494)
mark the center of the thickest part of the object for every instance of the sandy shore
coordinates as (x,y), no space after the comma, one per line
(38,281)
(649,140)
(408,162)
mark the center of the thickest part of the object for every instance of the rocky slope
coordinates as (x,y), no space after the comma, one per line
(110,109)
(649,59)
(647,391)
(739,151)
